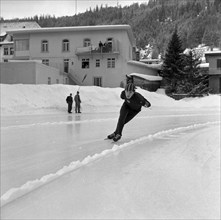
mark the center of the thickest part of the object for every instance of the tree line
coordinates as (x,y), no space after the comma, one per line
(197,21)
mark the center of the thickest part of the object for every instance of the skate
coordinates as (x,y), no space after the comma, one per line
(111,136)
(117,137)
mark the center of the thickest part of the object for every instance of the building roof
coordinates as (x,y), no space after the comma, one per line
(7,43)
(78,28)
(156,66)
(147,77)
(204,65)
(213,53)
(8,26)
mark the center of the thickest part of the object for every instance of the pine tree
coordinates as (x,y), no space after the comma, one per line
(172,71)
(194,83)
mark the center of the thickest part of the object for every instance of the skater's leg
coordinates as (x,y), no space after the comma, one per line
(125,116)
(121,121)
(131,114)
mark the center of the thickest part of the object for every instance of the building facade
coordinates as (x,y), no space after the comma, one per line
(214,60)
(6,41)
(86,55)
(29,72)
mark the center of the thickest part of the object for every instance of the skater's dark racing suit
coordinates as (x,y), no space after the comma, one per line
(130,108)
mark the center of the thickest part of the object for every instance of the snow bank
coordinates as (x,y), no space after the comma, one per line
(41,99)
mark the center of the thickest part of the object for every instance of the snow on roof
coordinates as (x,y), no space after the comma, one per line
(7,43)
(213,52)
(156,66)
(147,77)
(204,65)
(73,28)
(8,26)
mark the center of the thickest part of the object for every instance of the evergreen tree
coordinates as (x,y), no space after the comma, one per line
(194,82)
(172,71)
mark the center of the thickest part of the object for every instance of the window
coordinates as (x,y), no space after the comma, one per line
(57,81)
(111,63)
(85,63)
(97,63)
(65,45)
(6,51)
(21,45)
(49,80)
(219,64)
(11,50)
(44,46)
(66,65)
(87,42)
(45,62)
(98,81)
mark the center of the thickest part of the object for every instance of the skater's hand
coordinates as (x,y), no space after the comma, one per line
(147,105)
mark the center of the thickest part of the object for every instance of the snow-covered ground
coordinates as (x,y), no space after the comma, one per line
(56,165)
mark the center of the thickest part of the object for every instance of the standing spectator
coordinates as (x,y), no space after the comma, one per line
(77,100)
(69,100)
(100,46)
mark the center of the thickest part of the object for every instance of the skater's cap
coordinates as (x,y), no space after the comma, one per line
(130,87)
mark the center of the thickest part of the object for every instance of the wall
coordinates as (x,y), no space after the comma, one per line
(215,84)
(43,72)
(214,72)
(16,72)
(27,72)
(151,86)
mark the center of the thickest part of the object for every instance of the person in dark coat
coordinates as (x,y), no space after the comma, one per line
(69,100)
(77,100)
(130,108)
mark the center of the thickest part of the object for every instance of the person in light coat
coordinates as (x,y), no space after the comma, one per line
(77,100)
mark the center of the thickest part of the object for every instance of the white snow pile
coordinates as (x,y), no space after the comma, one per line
(31,99)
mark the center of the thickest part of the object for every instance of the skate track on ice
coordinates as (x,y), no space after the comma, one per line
(86,147)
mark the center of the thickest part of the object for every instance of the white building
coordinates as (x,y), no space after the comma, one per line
(6,41)
(101,53)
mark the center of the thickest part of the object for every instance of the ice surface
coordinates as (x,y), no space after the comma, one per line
(56,165)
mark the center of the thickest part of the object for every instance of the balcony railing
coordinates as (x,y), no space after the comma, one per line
(93,50)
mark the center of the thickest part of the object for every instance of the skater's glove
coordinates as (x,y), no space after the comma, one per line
(147,104)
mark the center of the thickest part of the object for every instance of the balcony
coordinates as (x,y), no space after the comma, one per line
(109,48)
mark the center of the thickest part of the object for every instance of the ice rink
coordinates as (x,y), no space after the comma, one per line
(56,165)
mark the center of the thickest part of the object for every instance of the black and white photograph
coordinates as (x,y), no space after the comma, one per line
(110,109)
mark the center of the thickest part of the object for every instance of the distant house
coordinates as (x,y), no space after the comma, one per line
(148,82)
(214,60)
(101,55)
(6,40)
(139,70)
